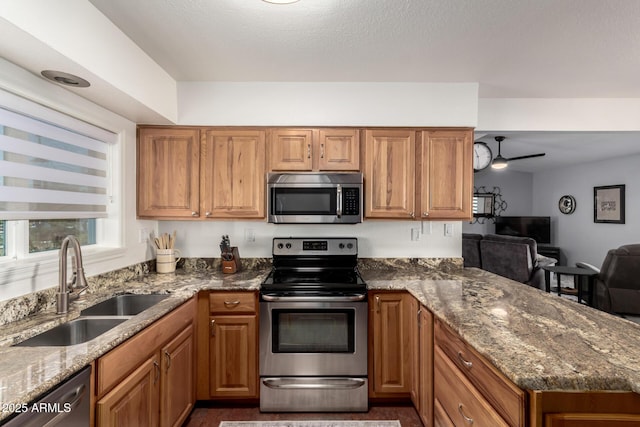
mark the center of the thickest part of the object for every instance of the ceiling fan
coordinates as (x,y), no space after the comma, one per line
(500,162)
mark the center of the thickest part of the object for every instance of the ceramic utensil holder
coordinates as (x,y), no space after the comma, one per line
(166,260)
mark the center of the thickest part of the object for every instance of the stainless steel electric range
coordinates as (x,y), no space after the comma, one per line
(313,328)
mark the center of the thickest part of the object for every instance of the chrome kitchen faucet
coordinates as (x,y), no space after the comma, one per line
(78,283)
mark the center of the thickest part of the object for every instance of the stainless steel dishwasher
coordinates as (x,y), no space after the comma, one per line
(66,405)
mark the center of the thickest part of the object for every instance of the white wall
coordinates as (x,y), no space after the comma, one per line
(516,189)
(376,239)
(580,239)
(327,104)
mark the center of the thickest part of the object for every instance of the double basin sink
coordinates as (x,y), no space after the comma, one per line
(95,320)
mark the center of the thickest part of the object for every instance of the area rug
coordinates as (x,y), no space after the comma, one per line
(319,423)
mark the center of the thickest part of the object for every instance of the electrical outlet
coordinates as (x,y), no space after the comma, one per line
(426,227)
(415,234)
(143,237)
(448,230)
(249,235)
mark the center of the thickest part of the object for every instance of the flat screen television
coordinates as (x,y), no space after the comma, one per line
(536,227)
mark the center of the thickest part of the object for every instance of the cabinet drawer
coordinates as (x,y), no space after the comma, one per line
(114,366)
(461,401)
(232,302)
(505,397)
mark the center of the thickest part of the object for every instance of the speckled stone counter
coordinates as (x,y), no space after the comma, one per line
(27,372)
(538,340)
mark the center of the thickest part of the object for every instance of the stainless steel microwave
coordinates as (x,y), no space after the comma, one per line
(314,198)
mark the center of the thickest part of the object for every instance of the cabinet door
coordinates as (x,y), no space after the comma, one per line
(339,150)
(291,149)
(178,379)
(233,174)
(446,174)
(392,317)
(233,356)
(135,401)
(389,174)
(426,408)
(415,353)
(168,171)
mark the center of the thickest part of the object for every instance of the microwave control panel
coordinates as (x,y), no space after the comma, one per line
(351,201)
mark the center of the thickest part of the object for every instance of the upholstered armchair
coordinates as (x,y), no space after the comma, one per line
(617,285)
(513,257)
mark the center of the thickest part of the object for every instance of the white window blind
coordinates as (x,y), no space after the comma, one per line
(51,172)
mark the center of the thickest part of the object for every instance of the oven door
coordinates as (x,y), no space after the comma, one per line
(313,338)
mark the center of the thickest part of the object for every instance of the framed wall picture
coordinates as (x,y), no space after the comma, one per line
(608,204)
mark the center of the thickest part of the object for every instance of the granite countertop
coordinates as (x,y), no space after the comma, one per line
(28,372)
(538,340)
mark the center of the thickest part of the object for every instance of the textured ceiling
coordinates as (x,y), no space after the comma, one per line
(513,48)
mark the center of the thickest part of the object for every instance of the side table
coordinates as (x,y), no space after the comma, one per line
(580,275)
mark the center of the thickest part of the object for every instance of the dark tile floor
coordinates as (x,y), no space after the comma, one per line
(205,415)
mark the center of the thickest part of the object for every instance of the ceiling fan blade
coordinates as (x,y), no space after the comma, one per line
(526,157)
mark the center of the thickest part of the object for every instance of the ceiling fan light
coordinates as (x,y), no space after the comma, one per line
(499,163)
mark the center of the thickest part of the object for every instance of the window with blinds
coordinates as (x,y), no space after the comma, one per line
(50,172)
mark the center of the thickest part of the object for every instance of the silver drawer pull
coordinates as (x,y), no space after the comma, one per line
(465,362)
(231,303)
(466,419)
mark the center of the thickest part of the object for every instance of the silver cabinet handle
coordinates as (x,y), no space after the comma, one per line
(308,151)
(194,213)
(212,325)
(167,356)
(412,214)
(466,419)
(322,151)
(425,213)
(207,213)
(156,366)
(231,303)
(465,362)
(377,303)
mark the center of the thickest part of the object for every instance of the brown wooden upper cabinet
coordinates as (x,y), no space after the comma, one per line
(314,149)
(181,176)
(232,174)
(389,173)
(418,174)
(445,174)
(168,168)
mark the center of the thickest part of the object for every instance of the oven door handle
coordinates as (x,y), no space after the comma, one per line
(349,298)
(315,383)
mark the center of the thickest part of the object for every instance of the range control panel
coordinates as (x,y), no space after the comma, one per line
(315,246)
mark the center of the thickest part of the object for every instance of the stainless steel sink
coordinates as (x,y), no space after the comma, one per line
(74,332)
(123,305)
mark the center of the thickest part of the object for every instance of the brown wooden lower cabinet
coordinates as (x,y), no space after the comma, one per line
(584,409)
(227,345)
(391,322)
(135,401)
(425,368)
(149,380)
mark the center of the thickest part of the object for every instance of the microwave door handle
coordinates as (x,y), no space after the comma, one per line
(339,204)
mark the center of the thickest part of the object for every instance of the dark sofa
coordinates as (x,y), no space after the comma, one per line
(513,257)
